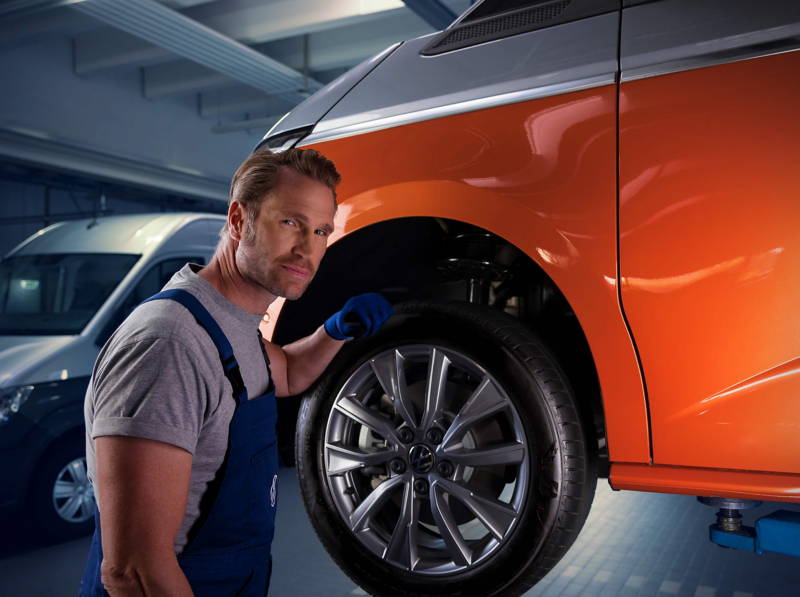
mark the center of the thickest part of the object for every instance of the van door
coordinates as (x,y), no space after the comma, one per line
(708,223)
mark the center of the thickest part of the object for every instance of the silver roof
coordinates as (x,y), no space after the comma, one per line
(137,234)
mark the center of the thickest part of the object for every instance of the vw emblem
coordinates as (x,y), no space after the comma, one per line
(420,458)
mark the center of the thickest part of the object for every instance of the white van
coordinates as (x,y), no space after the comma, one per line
(63,292)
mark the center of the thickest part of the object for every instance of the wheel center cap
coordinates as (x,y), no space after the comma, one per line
(420,457)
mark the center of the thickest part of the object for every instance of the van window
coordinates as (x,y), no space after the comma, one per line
(154,280)
(57,294)
(152,283)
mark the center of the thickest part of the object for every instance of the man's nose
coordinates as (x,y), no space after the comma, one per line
(303,245)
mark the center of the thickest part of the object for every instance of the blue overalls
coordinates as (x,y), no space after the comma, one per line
(231,553)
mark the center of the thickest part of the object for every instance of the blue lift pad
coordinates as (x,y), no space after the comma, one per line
(778,532)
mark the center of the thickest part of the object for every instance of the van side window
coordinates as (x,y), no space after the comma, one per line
(152,283)
(154,280)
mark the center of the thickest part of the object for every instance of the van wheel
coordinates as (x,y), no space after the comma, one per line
(446,455)
(62,499)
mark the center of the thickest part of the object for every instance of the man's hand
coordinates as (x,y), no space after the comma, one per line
(361,316)
(142,488)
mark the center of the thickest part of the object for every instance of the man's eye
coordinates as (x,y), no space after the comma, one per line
(290,222)
(322,232)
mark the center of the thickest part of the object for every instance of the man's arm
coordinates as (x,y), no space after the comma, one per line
(298,365)
(142,488)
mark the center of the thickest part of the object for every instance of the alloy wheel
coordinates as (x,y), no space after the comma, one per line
(426,459)
(73,494)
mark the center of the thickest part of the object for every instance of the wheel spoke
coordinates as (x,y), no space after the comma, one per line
(485,401)
(512,453)
(341,458)
(79,472)
(69,509)
(495,515)
(367,417)
(402,547)
(435,390)
(445,521)
(375,501)
(389,370)
(87,508)
(63,489)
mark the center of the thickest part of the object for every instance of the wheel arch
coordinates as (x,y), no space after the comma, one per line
(386,240)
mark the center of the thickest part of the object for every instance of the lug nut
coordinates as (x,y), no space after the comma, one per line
(421,486)
(405,435)
(397,466)
(445,469)
(435,436)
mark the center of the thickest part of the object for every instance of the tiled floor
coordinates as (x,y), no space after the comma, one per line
(633,544)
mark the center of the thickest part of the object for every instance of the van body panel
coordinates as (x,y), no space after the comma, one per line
(60,358)
(710,256)
(19,353)
(407,87)
(541,175)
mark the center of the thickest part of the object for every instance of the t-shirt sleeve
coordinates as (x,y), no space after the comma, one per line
(153,388)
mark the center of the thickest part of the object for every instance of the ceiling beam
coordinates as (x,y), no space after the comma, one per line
(181,35)
(31,28)
(433,12)
(247,21)
(91,51)
(343,47)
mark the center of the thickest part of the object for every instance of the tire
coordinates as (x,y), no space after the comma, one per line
(63,464)
(496,365)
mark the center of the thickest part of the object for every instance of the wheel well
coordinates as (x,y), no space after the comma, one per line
(421,257)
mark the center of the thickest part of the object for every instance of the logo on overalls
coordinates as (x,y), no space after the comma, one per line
(273,493)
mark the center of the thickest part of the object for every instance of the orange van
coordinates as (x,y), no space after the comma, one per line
(587,213)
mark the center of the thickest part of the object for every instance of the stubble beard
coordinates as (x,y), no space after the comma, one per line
(254,257)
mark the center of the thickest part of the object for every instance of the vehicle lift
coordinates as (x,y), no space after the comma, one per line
(778,532)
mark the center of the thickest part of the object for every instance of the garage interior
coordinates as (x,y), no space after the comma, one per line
(149,106)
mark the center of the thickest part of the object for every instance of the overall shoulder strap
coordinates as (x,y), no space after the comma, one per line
(208,323)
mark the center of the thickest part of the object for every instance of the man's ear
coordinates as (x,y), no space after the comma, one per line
(237,221)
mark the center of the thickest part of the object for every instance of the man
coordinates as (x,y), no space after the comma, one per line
(180,411)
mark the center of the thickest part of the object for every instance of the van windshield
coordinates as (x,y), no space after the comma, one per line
(57,294)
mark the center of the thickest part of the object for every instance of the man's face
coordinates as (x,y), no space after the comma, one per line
(282,249)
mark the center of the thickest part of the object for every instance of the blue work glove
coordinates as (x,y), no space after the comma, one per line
(361,316)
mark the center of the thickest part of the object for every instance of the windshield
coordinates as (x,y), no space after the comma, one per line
(57,294)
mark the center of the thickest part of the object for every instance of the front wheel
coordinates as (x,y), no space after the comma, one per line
(445,455)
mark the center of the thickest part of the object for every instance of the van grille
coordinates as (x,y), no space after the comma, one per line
(522,18)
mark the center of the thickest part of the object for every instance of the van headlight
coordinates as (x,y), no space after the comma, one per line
(11,400)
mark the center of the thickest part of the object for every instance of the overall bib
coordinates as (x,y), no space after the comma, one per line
(230,556)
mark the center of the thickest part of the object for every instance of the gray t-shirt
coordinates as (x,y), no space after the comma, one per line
(160,377)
